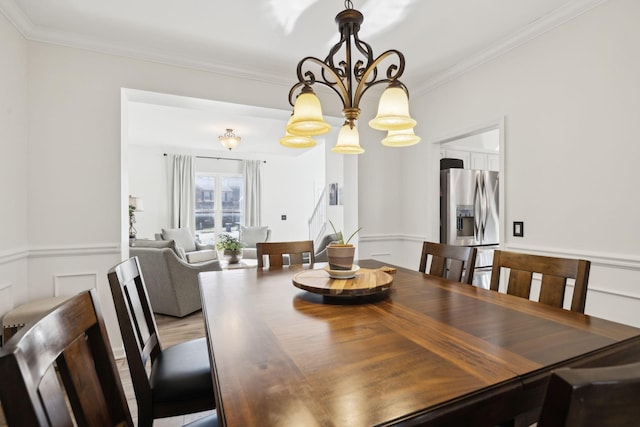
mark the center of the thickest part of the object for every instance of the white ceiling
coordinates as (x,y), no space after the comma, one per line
(265,39)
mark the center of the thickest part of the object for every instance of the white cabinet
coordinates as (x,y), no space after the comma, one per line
(474,159)
(459,154)
(493,162)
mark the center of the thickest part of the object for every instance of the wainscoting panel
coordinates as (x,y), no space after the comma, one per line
(71,284)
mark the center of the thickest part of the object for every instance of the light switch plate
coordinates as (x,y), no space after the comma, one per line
(518,228)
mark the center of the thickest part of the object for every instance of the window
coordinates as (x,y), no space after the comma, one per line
(218,205)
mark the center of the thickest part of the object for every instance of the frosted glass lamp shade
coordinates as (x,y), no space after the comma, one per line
(297,141)
(401,138)
(348,141)
(307,116)
(393,111)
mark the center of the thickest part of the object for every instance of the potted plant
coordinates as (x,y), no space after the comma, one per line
(341,253)
(231,248)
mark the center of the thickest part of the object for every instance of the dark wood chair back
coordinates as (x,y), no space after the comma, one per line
(455,263)
(603,397)
(554,271)
(144,352)
(276,251)
(61,371)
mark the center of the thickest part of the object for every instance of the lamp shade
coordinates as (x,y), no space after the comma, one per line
(307,116)
(401,138)
(229,140)
(393,111)
(136,202)
(348,141)
(297,141)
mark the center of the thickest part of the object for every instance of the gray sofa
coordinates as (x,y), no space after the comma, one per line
(172,283)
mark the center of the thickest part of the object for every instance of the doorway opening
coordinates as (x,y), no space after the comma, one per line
(479,151)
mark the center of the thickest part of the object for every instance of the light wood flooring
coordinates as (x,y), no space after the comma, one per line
(172,331)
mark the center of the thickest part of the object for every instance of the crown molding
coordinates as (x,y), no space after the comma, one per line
(17,18)
(22,23)
(30,32)
(530,32)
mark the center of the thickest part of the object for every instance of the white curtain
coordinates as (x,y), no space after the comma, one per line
(182,190)
(252,193)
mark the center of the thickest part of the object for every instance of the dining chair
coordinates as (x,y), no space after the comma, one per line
(603,397)
(297,252)
(455,263)
(554,271)
(179,379)
(60,371)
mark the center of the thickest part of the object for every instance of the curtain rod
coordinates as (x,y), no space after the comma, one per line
(219,158)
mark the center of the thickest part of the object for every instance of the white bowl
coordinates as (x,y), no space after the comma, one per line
(342,274)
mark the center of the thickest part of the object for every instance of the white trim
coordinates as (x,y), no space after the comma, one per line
(556,18)
(72,250)
(532,31)
(13,255)
(7,285)
(604,259)
(30,32)
(51,251)
(17,18)
(57,281)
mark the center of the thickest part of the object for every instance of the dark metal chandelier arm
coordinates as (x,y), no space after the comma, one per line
(308,78)
(393,72)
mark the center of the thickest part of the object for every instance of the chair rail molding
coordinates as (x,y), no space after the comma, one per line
(14,255)
(72,250)
(603,259)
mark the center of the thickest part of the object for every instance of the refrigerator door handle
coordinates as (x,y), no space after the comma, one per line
(485,206)
(477,209)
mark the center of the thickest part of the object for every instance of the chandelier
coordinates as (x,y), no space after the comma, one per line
(350,80)
(229,140)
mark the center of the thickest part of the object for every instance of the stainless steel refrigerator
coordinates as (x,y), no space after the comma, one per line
(469,215)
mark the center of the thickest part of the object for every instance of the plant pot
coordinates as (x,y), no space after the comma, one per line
(232,257)
(341,256)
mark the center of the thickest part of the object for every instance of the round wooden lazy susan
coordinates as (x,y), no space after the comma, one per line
(365,282)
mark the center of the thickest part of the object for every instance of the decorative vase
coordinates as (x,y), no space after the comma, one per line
(231,256)
(340,256)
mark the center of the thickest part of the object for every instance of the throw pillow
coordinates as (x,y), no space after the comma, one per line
(249,236)
(183,237)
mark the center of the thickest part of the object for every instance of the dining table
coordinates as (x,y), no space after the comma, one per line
(422,351)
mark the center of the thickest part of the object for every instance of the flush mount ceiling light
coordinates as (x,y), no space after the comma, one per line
(350,78)
(229,140)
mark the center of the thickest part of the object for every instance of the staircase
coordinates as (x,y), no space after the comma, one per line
(318,220)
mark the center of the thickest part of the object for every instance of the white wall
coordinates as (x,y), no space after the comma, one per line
(570,99)
(13,166)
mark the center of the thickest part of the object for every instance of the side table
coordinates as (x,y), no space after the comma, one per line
(243,263)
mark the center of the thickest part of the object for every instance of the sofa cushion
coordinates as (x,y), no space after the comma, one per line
(249,236)
(182,236)
(201,256)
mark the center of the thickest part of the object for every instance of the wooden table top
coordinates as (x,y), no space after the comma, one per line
(432,352)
